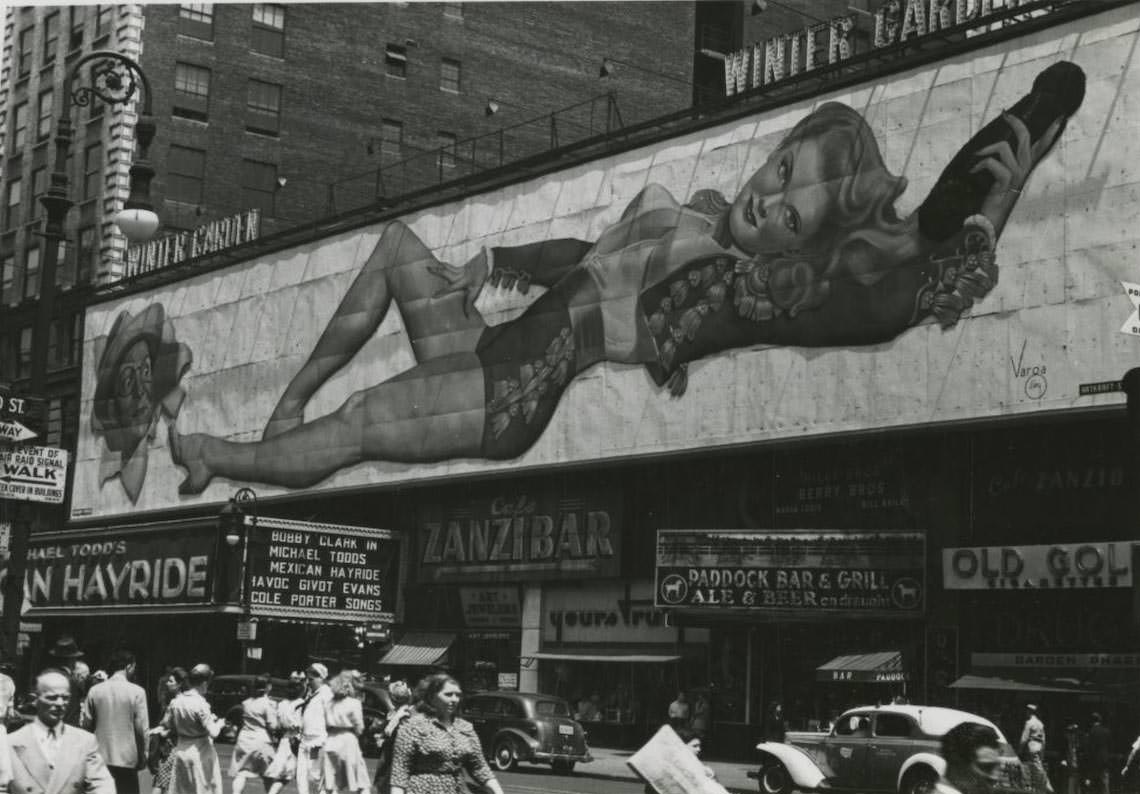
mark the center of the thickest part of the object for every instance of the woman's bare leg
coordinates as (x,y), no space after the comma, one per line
(434,411)
(397,269)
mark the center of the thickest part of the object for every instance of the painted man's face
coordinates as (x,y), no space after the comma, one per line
(133,386)
(785,203)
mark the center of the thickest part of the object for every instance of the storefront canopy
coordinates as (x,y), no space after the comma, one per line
(419,649)
(1009,685)
(884,667)
(595,656)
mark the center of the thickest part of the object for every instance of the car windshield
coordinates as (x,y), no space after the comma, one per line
(551,708)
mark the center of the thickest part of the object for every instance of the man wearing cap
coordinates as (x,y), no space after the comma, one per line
(115,710)
(50,757)
(65,655)
(314,729)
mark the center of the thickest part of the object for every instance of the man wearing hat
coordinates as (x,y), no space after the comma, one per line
(65,656)
(314,729)
(1033,748)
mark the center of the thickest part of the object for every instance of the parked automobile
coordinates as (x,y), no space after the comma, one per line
(874,749)
(537,729)
(226,693)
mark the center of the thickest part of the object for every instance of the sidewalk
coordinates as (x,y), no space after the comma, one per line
(611,765)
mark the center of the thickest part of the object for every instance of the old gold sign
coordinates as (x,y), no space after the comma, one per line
(1057,566)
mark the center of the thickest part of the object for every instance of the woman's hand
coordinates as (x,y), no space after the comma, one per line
(468,279)
(678,382)
(1010,169)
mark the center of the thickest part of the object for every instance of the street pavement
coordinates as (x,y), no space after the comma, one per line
(608,773)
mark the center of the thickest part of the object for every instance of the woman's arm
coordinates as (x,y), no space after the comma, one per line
(403,751)
(471,755)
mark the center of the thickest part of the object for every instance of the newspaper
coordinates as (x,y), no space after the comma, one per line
(670,767)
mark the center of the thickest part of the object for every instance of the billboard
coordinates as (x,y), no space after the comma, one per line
(801,572)
(895,254)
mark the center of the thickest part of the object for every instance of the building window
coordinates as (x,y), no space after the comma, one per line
(31,273)
(196,20)
(61,343)
(259,186)
(185,174)
(103,20)
(447,143)
(39,187)
(264,105)
(453,10)
(12,207)
(8,280)
(78,17)
(268,35)
(27,37)
(24,361)
(43,117)
(191,92)
(391,137)
(19,127)
(449,75)
(396,61)
(51,36)
(85,256)
(92,170)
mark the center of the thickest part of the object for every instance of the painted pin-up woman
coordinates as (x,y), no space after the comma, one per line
(810,253)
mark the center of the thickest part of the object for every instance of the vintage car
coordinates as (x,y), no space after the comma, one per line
(873,748)
(516,726)
(226,692)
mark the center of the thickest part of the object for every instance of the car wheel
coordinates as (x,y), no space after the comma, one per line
(504,756)
(563,767)
(920,780)
(774,779)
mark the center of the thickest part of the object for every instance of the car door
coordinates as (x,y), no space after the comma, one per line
(475,711)
(846,751)
(892,742)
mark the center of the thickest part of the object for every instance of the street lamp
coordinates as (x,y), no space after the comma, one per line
(114,79)
(236,520)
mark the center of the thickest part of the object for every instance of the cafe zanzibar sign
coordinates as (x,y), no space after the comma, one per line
(801,572)
(521,536)
(322,572)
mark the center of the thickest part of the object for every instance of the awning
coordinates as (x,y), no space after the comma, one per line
(594,656)
(1009,685)
(884,667)
(419,649)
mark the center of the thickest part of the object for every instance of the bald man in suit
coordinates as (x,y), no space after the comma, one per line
(50,757)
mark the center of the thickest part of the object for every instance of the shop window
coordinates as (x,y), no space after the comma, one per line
(51,37)
(268,35)
(449,75)
(186,171)
(19,128)
(391,137)
(92,170)
(24,357)
(103,20)
(259,186)
(24,56)
(43,117)
(896,725)
(191,92)
(78,17)
(396,61)
(196,20)
(31,273)
(263,104)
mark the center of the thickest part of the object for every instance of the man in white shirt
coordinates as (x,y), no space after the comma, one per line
(314,729)
(50,757)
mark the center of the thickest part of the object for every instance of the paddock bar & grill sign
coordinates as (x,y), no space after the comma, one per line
(798,571)
(323,572)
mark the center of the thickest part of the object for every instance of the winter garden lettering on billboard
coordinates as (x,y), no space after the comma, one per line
(803,249)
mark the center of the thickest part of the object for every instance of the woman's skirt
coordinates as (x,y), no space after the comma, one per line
(284,764)
(195,768)
(253,753)
(343,764)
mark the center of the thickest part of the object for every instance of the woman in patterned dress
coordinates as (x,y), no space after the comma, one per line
(434,746)
(161,760)
(253,749)
(196,769)
(342,762)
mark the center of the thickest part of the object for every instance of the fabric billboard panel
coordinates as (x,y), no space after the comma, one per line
(802,271)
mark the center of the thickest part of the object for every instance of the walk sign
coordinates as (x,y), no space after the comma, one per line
(33,474)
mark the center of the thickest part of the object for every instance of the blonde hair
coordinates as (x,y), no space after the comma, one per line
(346,683)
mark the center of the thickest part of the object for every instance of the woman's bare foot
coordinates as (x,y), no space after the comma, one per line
(186,451)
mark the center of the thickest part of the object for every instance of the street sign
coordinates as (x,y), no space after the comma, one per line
(246,630)
(20,411)
(378,632)
(14,431)
(1100,387)
(33,474)
(253,652)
